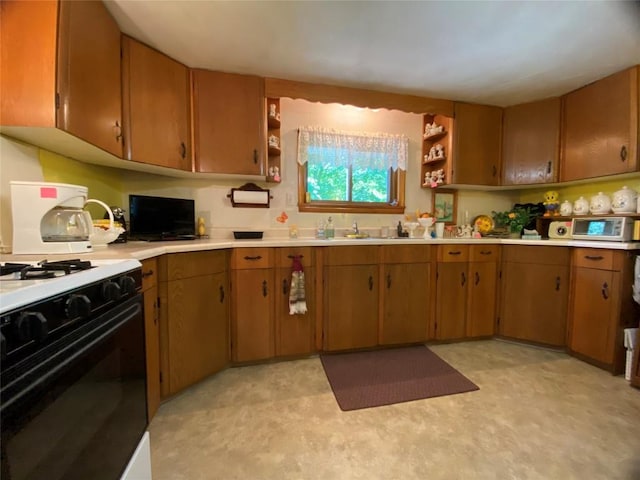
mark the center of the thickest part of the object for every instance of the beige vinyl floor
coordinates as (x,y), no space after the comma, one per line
(538,414)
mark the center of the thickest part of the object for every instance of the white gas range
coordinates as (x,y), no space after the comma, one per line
(72,338)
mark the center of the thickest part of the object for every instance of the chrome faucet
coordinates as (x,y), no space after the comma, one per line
(355,227)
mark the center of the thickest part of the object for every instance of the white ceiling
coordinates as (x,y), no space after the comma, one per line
(493,52)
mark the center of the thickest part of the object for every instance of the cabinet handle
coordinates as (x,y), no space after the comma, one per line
(221,294)
(118,130)
(147,273)
(494,170)
(255,156)
(370,282)
(485,252)
(457,252)
(183,150)
(285,286)
(594,257)
(257,257)
(623,153)
(155,311)
(548,167)
(264,288)
(294,256)
(388,280)
(605,290)
(557,284)
(477,278)
(464,279)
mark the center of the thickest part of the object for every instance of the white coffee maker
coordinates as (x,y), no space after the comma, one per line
(49,218)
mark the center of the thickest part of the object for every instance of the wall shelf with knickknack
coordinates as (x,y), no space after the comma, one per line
(437,150)
(273,140)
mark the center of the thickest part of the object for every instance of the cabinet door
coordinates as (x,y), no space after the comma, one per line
(478,138)
(152,348)
(531,142)
(155,107)
(481,306)
(600,135)
(451,304)
(406,293)
(89,80)
(593,313)
(229,123)
(534,302)
(351,306)
(295,334)
(635,369)
(253,292)
(197,317)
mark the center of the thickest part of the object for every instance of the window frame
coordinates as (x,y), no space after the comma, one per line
(398,178)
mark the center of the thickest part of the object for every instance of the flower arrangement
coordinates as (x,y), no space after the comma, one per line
(515,220)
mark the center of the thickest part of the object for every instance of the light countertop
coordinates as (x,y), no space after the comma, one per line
(145,250)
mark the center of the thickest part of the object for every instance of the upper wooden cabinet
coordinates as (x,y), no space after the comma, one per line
(61,68)
(477,142)
(600,128)
(155,106)
(229,123)
(531,142)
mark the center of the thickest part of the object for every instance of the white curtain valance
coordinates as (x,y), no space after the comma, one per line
(366,150)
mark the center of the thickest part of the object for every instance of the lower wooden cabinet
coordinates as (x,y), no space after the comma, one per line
(194,314)
(601,306)
(151,334)
(534,294)
(253,291)
(405,286)
(294,334)
(635,368)
(482,291)
(350,296)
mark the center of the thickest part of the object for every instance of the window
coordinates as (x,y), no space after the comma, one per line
(351,172)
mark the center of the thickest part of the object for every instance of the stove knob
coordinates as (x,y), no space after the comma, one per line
(77,306)
(111,291)
(128,285)
(32,326)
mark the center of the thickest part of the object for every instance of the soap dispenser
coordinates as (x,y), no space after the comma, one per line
(329,230)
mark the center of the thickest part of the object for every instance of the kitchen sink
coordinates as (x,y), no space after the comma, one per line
(356,235)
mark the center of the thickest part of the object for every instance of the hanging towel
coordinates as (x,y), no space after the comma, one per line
(297,301)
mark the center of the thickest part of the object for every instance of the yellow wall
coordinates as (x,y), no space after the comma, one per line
(586,190)
(104,183)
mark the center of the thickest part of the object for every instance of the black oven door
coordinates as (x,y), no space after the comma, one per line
(77,408)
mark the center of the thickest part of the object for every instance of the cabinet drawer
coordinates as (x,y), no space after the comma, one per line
(193,264)
(535,254)
(406,253)
(248,258)
(484,253)
(284,256)
(453,253)
(149,273)
(593,258)
(356,255)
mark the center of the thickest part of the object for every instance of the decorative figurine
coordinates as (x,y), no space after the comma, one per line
(272,110)
(431,129)
(551,204)
(274,141)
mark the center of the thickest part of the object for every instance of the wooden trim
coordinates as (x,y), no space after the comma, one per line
(277,87)
(125,43)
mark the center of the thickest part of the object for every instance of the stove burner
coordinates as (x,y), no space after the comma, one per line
(44,269)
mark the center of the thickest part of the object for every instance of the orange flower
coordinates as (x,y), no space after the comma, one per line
(512,215)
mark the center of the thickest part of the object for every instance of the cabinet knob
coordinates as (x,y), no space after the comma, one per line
(257,257)
(477,278)
(221,294)
(623,153)
(183,150)
(388,280)
(549,167)
(118,131)
(605,290)
(255,156)
(494,170)
(148,273)
(463,278)
(285,287)
(264,288)
(557,284)
(370,282)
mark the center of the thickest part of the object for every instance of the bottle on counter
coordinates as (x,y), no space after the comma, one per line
(320,230)
(329,229)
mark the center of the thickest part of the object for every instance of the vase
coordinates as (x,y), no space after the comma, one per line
(514,234)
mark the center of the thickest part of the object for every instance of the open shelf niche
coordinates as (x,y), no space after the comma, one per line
(437,151)
(274,168)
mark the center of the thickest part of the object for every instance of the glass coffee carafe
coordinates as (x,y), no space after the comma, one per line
(62,224)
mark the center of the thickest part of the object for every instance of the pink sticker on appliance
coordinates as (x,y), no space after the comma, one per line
(48,192)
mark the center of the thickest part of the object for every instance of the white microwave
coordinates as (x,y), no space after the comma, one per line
(613,229)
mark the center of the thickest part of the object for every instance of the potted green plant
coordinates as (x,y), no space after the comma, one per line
(513,221)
